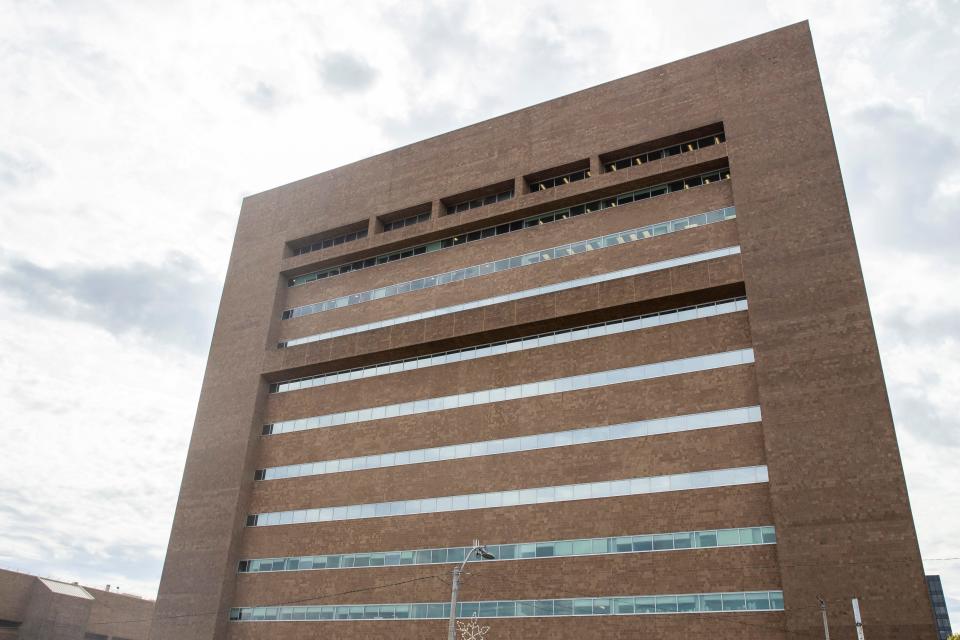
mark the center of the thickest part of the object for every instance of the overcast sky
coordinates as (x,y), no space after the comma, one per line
(130,131)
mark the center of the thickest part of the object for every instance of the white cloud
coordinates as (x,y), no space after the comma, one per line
(130,131)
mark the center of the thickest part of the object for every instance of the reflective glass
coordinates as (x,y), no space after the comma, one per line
(733,602)
(471,272)
(602,378)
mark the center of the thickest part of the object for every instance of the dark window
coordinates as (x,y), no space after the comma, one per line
(657,154)
(406,222)
(480,202)
(516,225)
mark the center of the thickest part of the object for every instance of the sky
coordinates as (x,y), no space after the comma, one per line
(131,131)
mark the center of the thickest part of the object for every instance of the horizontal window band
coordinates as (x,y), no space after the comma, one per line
(621,325)
(664,152)
(405,222)
(331,241)
(518,391)
(688,603)
(647,543)
(510,227)
(602,433)
(560,180)
(476,203)
(518,295)
(515,262)
(518,497)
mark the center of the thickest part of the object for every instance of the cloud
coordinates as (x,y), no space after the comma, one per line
(172,303)
(261,96)
(345,72)
(20,169)
(904,172)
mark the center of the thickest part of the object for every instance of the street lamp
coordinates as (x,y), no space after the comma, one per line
(481,552)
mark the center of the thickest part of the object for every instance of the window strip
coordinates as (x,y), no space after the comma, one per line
(515,392)
(517,295)
(707,309)
(406,222)
(556,181)
(602,433)
(482,201)
(510,227)
(672,604)
(330,242)
(664,152)
(517,497)
(647,543)
(514,262)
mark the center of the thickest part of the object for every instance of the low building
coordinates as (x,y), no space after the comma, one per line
(33,608)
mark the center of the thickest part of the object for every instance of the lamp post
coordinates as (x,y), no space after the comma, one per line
(481,552)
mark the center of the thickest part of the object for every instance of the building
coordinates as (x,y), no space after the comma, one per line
(939,603)
(620,337)
(33,608)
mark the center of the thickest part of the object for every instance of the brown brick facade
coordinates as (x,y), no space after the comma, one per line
(836,492)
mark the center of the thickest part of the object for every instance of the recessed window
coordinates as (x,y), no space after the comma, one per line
(475,203)
(406,222)
(557,181)
(636,159)
(333,241)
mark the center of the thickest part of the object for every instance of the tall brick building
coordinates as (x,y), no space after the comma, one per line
(620,337)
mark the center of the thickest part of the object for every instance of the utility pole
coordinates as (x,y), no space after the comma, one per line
(823,613)
(856,618)
(481,552)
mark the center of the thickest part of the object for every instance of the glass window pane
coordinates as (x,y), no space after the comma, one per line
(645,604)
(563,607)
(750,536)
(643,543)
(727,537)
(663,541)
(733,602)
(711,602)
(707,539)
(759,601)
(682,540)
(666,604)
(583,607)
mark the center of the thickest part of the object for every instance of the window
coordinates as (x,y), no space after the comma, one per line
(482,201)
(326,243)
(539,495)
(550,183)
(406,222)
(658,154)
(507,227)
(543,387)
(485,302)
